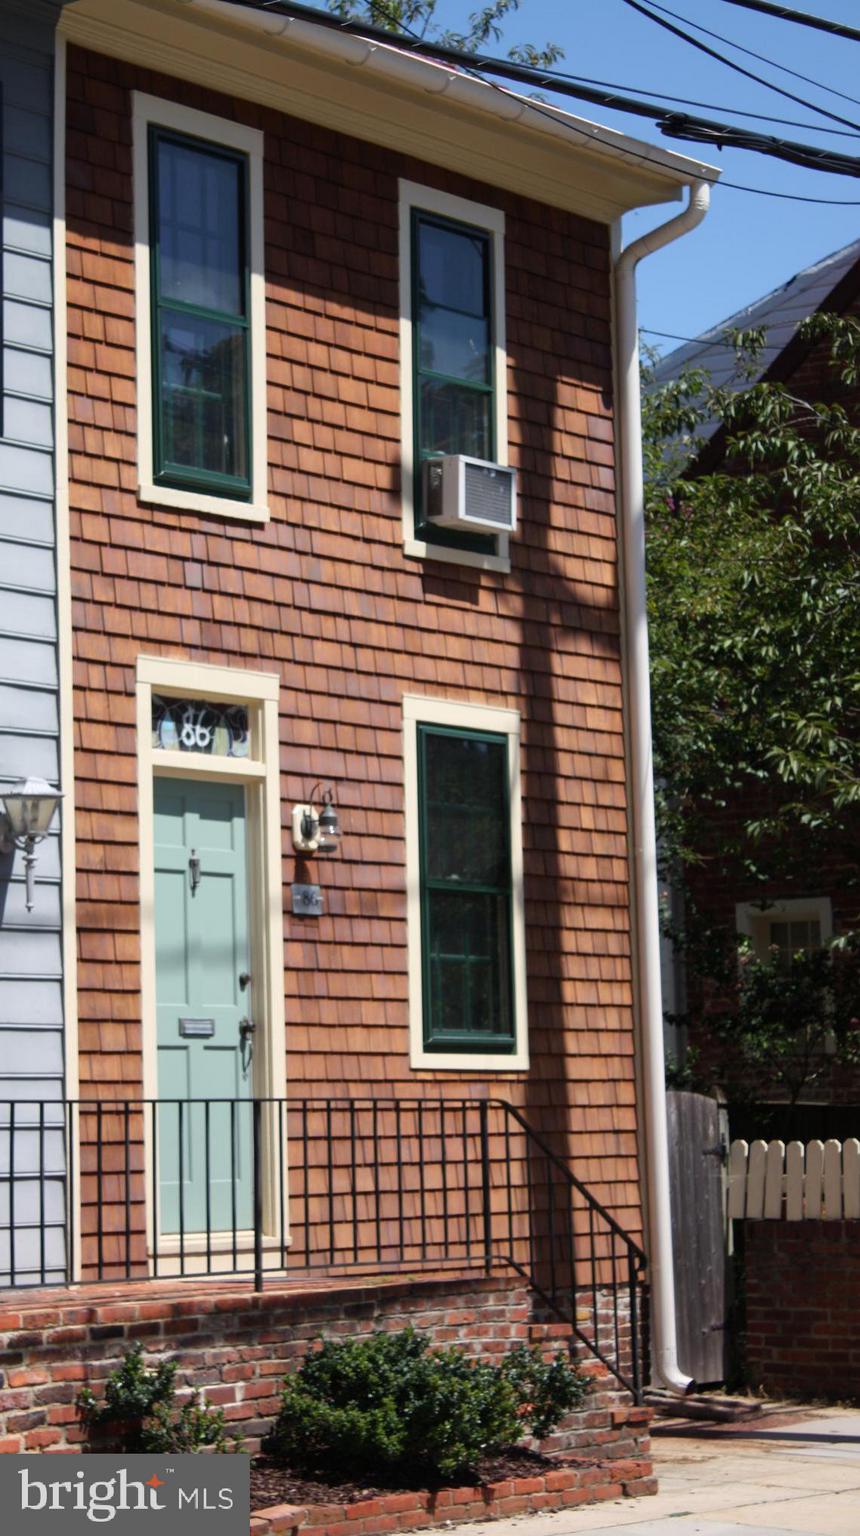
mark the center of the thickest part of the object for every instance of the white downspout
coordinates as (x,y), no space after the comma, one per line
(665,1370)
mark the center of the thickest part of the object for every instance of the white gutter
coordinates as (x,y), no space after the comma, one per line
(664,1351)
(435,79)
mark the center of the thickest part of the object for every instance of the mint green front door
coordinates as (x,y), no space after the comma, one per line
(203,996)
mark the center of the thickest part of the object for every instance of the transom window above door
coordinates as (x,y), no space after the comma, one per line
(200,725)
(200,292)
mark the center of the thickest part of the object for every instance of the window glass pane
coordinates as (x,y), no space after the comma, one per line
(466,810)
(453,268)
(469,964)
(204,390)
(200,725)
(200,201)
(455,419)
(457,345)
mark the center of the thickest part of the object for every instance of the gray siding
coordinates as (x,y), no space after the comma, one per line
(31,1007)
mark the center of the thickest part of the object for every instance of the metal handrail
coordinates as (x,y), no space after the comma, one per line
(137,1189)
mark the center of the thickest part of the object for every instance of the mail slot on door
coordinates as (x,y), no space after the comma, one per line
(196,1029)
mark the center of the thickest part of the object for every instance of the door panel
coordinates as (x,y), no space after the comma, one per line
(698,1234)
(202,948)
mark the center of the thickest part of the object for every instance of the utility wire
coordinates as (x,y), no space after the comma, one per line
(703,341)
(751,53)
(784,13)
(677,125)
(792,197)
(707,106)
(721,58)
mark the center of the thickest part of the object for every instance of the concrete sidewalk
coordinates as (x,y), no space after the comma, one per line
(775,1478)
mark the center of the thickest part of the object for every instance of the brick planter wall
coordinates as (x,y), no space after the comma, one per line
(561,1489)
(237,1346)
(803,1285)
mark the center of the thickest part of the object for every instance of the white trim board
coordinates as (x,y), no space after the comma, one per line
(65,643)
(464,211)
(504,722)
(155,111)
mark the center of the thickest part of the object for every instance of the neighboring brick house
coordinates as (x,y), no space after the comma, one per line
(298,265)
(803,910)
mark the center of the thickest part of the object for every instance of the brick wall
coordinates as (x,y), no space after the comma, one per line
(236,1347)
(803,1282)
(324,596)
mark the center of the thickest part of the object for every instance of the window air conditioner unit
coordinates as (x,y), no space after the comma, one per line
(467,493)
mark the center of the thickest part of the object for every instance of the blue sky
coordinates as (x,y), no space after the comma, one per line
(748,244)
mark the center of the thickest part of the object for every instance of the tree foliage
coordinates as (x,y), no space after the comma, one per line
(754,613)
(754,594)
(417,18)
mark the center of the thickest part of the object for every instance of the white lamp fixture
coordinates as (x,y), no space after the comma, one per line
(315,830)
(29,810)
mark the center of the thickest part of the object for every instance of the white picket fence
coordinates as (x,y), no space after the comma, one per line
(815,1182)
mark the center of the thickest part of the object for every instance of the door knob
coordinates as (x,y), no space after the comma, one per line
(247,1028)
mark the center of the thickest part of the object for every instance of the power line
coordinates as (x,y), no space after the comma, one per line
(677,125)
(763,58)
(709,106)
(739,69)
(793,197)
(704,341)
(784,13)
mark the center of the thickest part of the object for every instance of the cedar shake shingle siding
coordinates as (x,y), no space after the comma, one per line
(324,596)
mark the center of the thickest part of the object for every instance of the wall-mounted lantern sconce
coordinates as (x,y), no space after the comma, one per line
(29,808)
(316,830)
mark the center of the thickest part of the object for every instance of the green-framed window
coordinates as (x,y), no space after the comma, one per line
(466,891)
(453,354)
(200,296)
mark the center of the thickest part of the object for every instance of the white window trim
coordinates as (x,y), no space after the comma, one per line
(413,196)
(260,692)
(153,110)
(471,717)
(749,916)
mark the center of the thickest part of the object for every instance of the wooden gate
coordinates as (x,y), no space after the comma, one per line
(696,1156)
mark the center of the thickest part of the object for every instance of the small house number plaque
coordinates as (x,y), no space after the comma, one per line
(307,901)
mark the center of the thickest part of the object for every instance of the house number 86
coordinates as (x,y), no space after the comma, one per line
(194,733)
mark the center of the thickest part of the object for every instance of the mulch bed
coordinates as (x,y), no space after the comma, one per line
(272,1483)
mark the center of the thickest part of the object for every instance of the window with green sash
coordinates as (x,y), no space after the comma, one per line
(466,890)
(453,354)
(200,315)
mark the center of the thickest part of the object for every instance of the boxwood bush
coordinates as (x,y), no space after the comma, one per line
(390,1405)
(139,1412)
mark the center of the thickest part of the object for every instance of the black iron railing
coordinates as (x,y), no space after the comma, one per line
(140,1189)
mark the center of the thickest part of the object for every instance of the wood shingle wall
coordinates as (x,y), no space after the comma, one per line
(324,596)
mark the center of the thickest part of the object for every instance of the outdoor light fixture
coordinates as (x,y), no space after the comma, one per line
(315,830)
(29,810)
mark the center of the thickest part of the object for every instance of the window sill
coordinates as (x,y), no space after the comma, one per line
(467,1061)
(418,549)
(198,501)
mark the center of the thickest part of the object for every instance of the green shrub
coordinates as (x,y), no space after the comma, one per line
(139,1412)
(390,1404)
